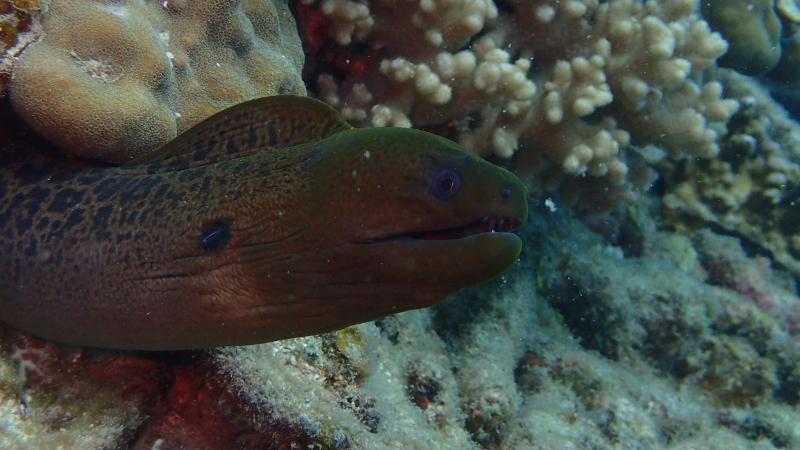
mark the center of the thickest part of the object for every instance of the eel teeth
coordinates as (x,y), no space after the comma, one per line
(495,224)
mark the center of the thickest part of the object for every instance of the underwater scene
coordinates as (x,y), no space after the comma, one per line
(399,224)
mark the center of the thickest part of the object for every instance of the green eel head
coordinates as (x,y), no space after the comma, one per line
(397,219)
(308,225)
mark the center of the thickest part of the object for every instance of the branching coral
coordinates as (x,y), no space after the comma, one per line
(115,80)
(568,85)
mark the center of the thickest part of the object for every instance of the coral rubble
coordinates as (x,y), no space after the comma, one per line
(566,89)
(115,80)
(19,26)
(751,188)
(56,398)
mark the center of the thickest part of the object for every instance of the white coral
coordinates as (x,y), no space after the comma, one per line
(632,66)
(351,20)
(429,26)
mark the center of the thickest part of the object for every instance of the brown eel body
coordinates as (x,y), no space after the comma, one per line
(272,219)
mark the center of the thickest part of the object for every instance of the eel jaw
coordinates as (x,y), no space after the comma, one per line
(488,224)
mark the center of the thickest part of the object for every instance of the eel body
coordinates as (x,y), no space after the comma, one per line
(272,219)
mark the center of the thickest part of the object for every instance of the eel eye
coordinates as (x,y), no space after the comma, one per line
(446,183)
(215,235)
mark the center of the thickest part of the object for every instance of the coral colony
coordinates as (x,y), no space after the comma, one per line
(655,303)
(156,69)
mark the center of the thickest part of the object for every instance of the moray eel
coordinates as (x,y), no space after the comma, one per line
(270,220)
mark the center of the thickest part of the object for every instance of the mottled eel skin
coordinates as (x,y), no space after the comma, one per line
(272,219)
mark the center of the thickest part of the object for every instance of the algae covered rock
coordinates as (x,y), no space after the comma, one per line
(753,31)
(116,80)
(762,36)
(787,68)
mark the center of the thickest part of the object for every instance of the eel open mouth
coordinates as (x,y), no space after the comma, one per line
(489,224)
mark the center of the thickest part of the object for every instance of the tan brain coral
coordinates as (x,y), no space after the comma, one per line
(113,81)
